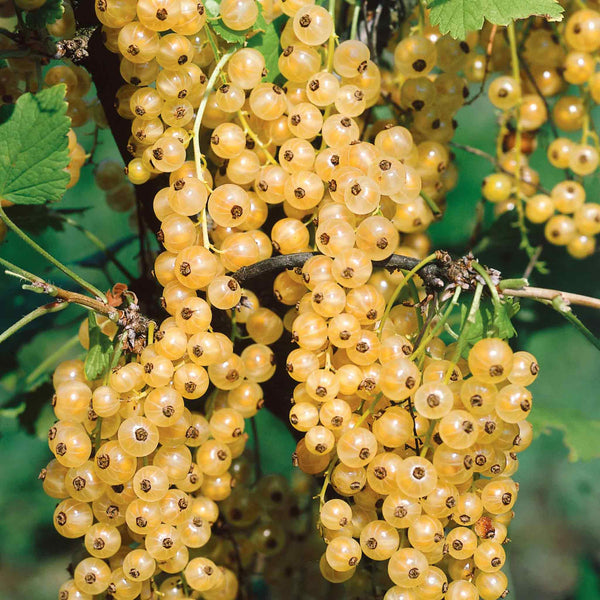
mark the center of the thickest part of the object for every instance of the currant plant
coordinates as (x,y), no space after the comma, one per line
(291,157)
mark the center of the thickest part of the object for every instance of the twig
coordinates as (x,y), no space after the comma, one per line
(82,282)
(32,316)
(494,161)
(36,284)
(90,158)
(488,56)
(432,274)
(536,293)
(532,262)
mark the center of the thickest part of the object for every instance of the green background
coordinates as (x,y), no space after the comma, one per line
(554,553)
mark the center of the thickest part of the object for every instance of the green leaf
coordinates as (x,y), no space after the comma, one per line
(267,43)
(49,12)
(490,320)
(227,34)
(237,37)
(458,17)
(33,147)
(581,433)
(99,356)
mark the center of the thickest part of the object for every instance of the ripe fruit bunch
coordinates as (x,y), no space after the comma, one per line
(421,480)
(555,82)
(141,463)
(297,145)
(138,474)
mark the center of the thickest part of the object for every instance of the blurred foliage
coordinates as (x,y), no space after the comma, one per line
(556,533)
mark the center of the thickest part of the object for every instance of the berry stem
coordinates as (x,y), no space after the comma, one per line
(249,131)
(488,281)
(332,38)
(198,121)
(435,209)
(369,410)
(327,480)
(439,325)
(82,282)
(15,271)
(355,16)
(488,56)
(400,287)
(40,311)
(196,138)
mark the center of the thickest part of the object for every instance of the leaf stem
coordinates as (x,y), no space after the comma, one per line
(82,282)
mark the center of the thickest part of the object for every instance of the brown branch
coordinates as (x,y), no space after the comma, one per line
(536,293)
(102,308)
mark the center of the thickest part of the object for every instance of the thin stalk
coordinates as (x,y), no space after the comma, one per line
(551,295)
(40,311)
(516,73)
(488,281)
(461,341)
(414,292)
(439,325)
(13,270)
(427,442)
(327,480)
(97,435)
(354,26)
(92,237)
(196,138)
(248,130)
(257,464)
(50,360)
(200,113)
(332,38)
(435,209)
(564,310)
(82,282)
(401,286)
(369,410)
